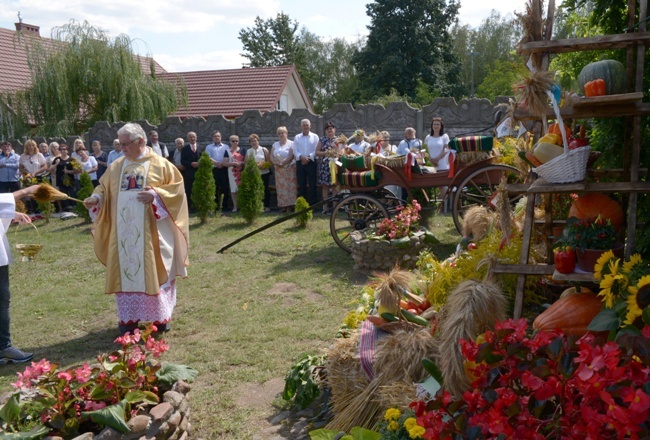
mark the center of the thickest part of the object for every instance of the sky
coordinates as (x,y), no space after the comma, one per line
(189,35)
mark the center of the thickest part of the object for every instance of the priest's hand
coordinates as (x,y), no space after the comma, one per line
(90,202)
(22,218)
(145,196)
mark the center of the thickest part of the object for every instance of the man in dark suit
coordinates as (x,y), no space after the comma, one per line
(190,160)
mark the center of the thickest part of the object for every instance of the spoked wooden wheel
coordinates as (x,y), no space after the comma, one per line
(354,213)
(480,189)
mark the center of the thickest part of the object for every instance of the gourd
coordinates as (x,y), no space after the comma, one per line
(612,71)
(571,314)
(591,205)
(555,129)
(545,151)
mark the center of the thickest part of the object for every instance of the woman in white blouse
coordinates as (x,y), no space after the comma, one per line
(440,154)
(286,182)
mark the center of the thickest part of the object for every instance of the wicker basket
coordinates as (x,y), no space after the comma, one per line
(568,167)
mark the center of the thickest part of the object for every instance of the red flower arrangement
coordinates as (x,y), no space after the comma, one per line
(401,225)
(544,387)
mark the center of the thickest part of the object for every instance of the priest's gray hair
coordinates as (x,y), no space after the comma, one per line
(134,131)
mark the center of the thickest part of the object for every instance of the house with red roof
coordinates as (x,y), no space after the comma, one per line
(211,92)
(231,92)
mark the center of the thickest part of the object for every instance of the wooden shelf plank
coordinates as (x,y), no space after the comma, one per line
(575,276)
(624,98)
(594,111)
(528,269)
(616,41)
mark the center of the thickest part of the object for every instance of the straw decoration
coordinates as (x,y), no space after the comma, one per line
(532,92)
(47,193)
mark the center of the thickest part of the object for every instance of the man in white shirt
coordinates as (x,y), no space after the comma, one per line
(217,152)
(304,149)
(115,154)
(176,156)
(158,147)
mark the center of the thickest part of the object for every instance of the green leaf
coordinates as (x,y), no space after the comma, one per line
(171,373)
(429,238)
(360,433)
(401,243)
(112,416)
(11,410)
(323,434)
(433,370)
(606,320)
(100,393)
(141,396)
(36,433)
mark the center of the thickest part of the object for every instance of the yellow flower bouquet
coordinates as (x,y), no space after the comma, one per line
(625,290)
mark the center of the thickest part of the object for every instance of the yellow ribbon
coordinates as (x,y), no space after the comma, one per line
(372,166)
(333,171)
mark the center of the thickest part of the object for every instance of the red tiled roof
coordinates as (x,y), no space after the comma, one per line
(231,92)
(14,70)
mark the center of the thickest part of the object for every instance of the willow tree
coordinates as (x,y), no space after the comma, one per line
(81,76)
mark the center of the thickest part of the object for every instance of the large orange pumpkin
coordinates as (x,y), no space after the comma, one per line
(571,314)
(591,205)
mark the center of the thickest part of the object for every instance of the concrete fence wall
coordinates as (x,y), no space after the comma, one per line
(469,116)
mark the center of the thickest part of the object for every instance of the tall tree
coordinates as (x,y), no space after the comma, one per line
(273,42)
(330,68)
(409,42)
(86,77)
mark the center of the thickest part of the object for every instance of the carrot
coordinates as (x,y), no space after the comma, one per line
(531,157)
(377,320)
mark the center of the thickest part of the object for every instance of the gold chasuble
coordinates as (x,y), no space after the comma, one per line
(140,252)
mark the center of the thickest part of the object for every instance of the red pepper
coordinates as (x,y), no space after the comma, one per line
(595,88)
(565,260)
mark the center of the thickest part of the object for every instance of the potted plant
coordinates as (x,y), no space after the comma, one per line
(123,385)
(397,240)
(590,239)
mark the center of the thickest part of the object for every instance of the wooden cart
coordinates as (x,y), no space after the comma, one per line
(359,207)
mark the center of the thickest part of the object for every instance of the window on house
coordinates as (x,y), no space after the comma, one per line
(283,103)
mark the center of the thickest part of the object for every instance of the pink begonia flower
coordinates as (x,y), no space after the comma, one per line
(64,375)
(83,374)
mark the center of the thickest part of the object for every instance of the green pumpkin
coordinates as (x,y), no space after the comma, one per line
(612,71)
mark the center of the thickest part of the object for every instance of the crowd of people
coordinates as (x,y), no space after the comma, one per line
(299,165)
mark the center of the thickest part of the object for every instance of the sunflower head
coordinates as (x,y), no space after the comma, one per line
(602,267)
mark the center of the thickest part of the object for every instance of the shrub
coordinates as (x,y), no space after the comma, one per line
(251,191)
(204,188)
(303,219)
(85,191)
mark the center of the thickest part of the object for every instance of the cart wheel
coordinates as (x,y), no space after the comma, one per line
(354,213)
(479,189)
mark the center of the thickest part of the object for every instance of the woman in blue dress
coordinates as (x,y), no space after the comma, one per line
(327,150)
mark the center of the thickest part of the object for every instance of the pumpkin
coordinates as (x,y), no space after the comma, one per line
(555,129)
(611,71)
(571,314)
(591,205)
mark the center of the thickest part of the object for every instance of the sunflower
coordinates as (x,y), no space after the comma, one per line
(629,265)
(600,269)
(634,309)
(610,287)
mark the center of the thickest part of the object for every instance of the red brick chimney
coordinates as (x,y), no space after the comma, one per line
(28,29)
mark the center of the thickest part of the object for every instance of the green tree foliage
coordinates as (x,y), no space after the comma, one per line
(250,193)
(85,190)
(305,217)
(331,72)
(84,77)
(493,47)
(204,188)
(409,42)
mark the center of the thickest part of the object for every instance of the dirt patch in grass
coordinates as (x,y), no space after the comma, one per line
(254,395)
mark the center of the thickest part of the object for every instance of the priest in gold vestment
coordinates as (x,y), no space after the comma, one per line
(141,231)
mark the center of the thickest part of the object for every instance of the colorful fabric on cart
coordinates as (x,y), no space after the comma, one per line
(353,163)
(359,178)
(471,144)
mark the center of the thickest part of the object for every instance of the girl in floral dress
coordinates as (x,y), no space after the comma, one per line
(234,164)
(328,151)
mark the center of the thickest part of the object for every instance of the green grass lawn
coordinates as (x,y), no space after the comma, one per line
(242,317)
